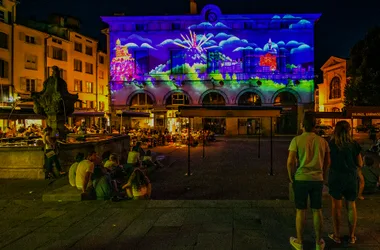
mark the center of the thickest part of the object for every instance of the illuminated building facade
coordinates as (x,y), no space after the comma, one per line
(160,62)
(329,96)
(38,47)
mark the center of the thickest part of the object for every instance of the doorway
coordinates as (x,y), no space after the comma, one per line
(216,125)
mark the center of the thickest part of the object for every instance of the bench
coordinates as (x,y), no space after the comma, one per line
(65,193)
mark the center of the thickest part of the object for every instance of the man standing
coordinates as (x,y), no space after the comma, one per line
(312,154)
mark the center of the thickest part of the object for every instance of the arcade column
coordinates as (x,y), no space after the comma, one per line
(300,114)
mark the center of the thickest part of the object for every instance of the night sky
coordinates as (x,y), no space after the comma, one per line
(342,24)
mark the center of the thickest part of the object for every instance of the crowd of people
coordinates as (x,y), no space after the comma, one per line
(30,131)
(106,178)
(337,163)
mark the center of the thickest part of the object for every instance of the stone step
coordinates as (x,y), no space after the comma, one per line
(65,193)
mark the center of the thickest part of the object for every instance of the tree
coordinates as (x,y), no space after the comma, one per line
(363,83)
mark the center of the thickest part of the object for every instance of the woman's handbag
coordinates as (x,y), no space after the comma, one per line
(50,154)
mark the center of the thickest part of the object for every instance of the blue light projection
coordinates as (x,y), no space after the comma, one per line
(282,51)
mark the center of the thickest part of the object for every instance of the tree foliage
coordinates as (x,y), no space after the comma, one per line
(363,84)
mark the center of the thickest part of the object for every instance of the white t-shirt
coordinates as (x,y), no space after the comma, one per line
(311,150)
(72,173)
(84,167)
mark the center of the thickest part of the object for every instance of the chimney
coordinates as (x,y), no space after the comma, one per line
(193,7)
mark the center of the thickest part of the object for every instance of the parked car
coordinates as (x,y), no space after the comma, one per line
(367,128)
(324,130)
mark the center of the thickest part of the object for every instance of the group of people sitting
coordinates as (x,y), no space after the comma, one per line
(108,179)
(369,177)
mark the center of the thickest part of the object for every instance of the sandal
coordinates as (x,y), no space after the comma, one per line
(352,240)
(335,239)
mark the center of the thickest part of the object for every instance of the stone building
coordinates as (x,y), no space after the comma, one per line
(158,63)
(28,51)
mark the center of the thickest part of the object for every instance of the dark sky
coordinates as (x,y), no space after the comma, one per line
(342,24)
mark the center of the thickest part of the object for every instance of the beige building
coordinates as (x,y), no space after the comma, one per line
(37,48)
(7,16)
(329,96)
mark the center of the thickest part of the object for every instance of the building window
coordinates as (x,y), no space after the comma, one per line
(57,53)
(141,99)
(248,25)
(2,16)
(101,106)
(89,87)
(101,59)
(3,40)
(214,61)
(177,62)
(78,47)
(140,27)
(31,62)
(89,68)
(177,99)
(141,62)
(249,61)
(89,50)
(101,89)
(30,39)
(176,26)
(90,104)
(30,85)
(101,74)
(77,65)
(213,98)
(56,41)
(335,89)
(4,68)
(78,85)
(78,105)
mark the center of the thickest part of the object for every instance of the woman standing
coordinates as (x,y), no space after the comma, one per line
(343,178)
(51,157)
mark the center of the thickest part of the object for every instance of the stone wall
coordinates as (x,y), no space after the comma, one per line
(67,152)
(28,162)
(22,163)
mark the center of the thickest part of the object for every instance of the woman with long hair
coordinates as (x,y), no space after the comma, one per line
(343,178)
(138,186)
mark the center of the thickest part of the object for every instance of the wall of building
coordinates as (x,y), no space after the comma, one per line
(231,55)
(6,51)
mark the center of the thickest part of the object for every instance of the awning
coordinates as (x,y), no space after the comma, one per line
(330,115)
(229,111)
(127,113)
(84,113)
(19,113)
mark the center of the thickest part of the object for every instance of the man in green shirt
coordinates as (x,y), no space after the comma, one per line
(313,156)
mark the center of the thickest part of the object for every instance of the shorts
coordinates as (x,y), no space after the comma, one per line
(305,189)
(343,186)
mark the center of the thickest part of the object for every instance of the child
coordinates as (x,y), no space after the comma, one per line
(371,175)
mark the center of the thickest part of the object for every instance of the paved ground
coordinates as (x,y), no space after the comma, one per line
(228,203)
(167,225)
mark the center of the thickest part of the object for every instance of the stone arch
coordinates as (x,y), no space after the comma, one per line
(227,101)
(177,91)
(253,90)
(291,91)
(140,91)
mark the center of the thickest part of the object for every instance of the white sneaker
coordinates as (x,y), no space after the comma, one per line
(293,242)
(320,245)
